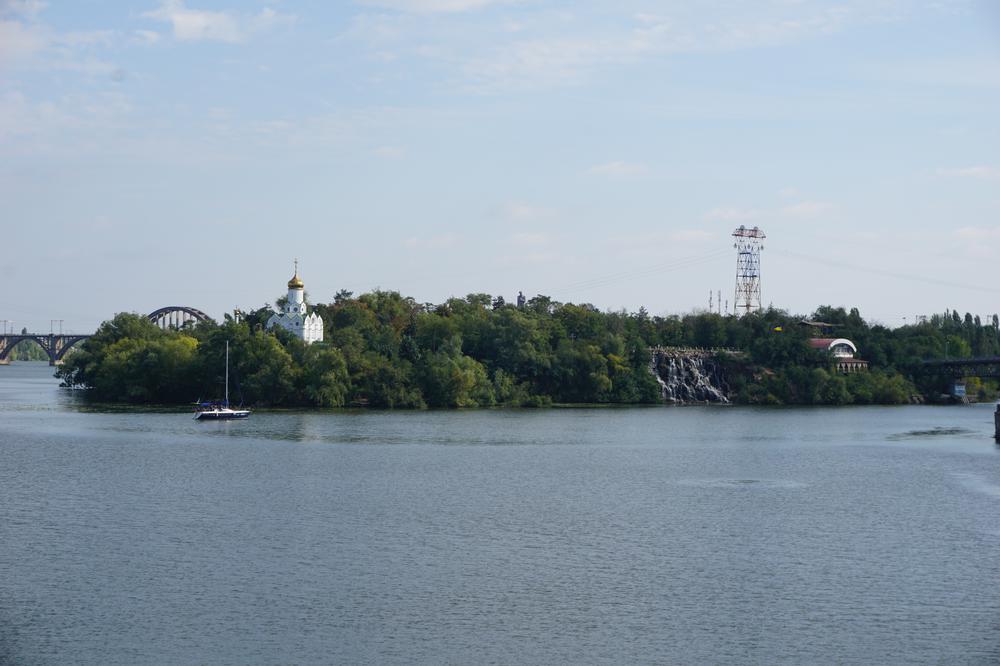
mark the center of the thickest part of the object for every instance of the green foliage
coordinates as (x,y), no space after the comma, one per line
(27,350)
(385,350)
(448,378)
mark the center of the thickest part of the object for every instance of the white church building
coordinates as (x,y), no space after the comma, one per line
(293,317)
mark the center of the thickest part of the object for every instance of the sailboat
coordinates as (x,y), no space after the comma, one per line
(220,411)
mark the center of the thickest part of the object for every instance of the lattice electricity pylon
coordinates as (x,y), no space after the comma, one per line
(748,247)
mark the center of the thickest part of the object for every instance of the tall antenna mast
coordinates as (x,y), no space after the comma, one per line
(748,247)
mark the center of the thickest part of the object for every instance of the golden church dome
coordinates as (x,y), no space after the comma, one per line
(296,282)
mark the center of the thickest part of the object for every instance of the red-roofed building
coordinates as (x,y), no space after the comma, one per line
(842,350)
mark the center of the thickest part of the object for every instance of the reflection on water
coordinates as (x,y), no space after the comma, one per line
(937,431)
(862,535)
(977,483)
(743,483)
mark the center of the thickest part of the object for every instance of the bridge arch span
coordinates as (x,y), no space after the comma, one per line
(176,316)
(55,346)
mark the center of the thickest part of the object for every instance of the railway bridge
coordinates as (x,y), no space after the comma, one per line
(56,345)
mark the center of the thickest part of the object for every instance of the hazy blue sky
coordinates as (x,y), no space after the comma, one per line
(185,152)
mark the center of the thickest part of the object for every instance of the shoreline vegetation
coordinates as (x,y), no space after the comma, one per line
(384,350)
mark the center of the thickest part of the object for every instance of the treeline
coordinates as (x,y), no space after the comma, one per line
(27,350)
(388,351)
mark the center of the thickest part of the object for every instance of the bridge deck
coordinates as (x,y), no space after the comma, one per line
(981,366)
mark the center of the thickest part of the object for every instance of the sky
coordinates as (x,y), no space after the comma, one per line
(186,152)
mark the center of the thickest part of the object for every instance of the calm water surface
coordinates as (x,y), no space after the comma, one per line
(658,535)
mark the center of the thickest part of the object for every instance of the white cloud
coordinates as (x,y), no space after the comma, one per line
(389,152)
(732,214)
(376,30)
(793,211)
(728,33)
(519,211)
(648,247)
(28,8)
(432,6)
(979,172)
(805,209)
(19,41)
(978,242)
(101,223)
(27,42)
(193,24)
(206,25)
(441,241)
(529,239)
(147,37)
(71,126)
(978,233)
(86,38)
(618,169)
(692,235)
(268,19)
(541,63)
(559,54)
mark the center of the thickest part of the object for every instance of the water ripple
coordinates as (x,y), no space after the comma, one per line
(742,483)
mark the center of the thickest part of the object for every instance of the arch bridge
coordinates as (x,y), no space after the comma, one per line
(177,316)
(55,345)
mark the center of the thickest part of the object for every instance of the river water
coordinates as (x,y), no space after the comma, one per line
(642,535)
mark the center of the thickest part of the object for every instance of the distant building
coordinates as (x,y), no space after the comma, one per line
(843,352)
(293,316)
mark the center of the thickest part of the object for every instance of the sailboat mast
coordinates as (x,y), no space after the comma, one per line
(227,373)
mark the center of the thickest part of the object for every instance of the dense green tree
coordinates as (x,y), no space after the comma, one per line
(324,381)
(448,378)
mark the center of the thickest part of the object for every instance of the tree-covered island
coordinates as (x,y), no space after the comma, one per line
(385,350)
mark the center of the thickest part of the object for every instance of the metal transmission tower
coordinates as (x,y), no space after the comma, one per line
(748,247)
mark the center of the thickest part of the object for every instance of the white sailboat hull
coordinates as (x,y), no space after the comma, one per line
(223,414)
